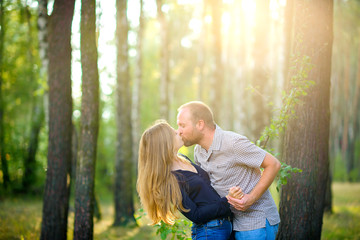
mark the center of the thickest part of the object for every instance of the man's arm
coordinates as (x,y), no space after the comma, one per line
(271,167)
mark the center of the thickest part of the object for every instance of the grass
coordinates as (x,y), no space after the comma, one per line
(344,222)
(20,218)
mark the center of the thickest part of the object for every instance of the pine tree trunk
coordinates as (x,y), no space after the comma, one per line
(124,203)
(56,194)
(217,68)
(42,24)
(260,80)
(289,11)
(136,99)
(346,112)
(37,116)
(4,165)
(351,161)
(306,142)
(85,174)
(201,53)
(164,62)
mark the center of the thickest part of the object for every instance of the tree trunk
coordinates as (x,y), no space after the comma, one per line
(351,161)
(85,177)
(289,12)
(4,165)
(42,24)
(306,142)
(261,112)
(164,62)
(124,205)
(37,116)
(346,112)
(56,195)
(216,66)
(137,88)
(201,53)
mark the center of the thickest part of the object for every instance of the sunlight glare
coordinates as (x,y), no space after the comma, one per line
(226,20)
(186,42)
(208,19)
(274,9)
(195,25)
(248,7)
(186,2)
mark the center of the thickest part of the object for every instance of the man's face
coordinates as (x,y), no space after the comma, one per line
(187,129)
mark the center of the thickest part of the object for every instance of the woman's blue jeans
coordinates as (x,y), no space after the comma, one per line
(217,229)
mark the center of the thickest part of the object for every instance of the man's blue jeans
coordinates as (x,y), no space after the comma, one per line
(218,229)
(267,233)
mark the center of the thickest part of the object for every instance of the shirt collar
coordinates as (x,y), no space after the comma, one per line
(216,143)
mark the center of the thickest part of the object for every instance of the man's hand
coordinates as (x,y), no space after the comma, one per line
(235,192)
(241,204)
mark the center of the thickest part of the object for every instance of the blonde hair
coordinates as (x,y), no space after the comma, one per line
(199,111)
(157,186)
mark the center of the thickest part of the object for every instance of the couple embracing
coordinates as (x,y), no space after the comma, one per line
(225,194)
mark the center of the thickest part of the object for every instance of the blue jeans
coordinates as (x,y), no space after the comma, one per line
(267,233)
(218,229)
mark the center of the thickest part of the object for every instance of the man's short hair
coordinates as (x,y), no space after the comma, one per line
(199,111)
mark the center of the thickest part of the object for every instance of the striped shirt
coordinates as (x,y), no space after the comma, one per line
(232,160)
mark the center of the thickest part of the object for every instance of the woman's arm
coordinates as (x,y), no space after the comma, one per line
(202,214)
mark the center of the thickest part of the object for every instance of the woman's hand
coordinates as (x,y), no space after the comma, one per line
(235,192)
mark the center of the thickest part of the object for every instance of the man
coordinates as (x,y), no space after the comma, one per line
(232,160)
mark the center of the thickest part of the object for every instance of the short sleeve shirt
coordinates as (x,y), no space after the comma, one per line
(232,160)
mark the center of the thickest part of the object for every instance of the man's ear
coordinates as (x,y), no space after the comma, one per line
(200,125)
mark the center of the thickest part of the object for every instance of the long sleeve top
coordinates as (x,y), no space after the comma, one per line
(200,197)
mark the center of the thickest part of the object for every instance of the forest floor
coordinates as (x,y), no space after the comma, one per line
(20,218)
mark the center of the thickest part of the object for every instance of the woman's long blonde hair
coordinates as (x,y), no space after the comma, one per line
(157,186)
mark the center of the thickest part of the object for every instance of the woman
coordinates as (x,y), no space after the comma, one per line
(168,182)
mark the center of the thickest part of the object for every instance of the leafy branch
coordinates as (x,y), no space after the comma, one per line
(299,85)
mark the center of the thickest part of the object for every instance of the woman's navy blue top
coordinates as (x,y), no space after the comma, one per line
(200,197)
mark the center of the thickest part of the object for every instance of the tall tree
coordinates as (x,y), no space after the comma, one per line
(201,52)
(56,195)
(135,112)
(261,113)
(42,24)
(124,205)
(217,69)
(4,165)
(164,61)
(306,142)
(85,177)
(288,17)
(37,114)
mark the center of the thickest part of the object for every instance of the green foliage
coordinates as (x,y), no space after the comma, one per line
(20,77)
(176,231)
(299,85)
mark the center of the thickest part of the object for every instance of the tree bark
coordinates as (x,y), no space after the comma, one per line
(37,116)
(56,195)
(354,111)
(217,68)
(136,94)
(306,142)
(260,80)
(288,18)
(85,177)
(164,62)
(124,205)
(42,24)
(4,165)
